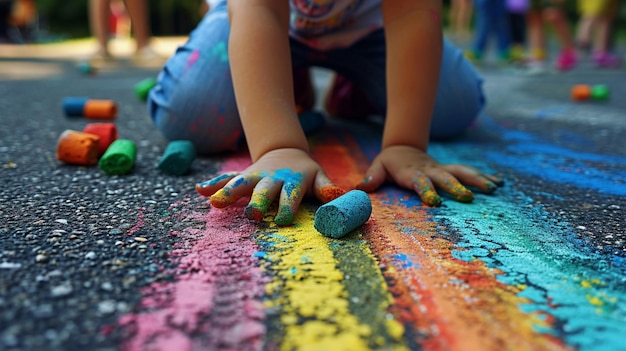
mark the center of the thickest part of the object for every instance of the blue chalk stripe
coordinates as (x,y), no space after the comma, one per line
(344,214)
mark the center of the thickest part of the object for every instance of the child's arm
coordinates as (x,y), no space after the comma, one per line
(413,32)
(261,67)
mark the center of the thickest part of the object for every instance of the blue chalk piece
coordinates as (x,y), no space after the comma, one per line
(311,121)
(73,106)
(344,214)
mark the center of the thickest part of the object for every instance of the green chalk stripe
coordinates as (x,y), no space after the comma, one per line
(119,157)
(344,214)
(142,89)
(177,158)
(600,92)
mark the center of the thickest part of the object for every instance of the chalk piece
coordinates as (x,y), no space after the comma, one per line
(86,67)
(119,157)
(107,132)
(100,109)
(581,92)
(177,158)
(78,148)
(600,92)
(344,214)
(311,121)
(74,106)
(142,89)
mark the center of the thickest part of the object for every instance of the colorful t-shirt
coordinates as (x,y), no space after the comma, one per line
(331,24)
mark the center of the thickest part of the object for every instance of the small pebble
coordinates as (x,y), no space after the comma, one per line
(61,290)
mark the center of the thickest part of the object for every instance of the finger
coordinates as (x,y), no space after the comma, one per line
(290,198)
(426,190)
(325,190)
(262,197)
(234,190)
(472,177)
(209,187)
(452,186)
(374,177)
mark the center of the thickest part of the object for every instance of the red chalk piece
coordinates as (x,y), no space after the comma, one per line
(78,148)
(107,132)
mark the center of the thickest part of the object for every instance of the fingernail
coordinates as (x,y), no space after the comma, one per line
(431,198)
(367,179)
(285,216)
(203,184)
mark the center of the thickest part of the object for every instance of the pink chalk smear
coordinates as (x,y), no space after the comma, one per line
(214,301)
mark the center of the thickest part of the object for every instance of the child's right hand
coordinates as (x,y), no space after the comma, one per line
(288,172)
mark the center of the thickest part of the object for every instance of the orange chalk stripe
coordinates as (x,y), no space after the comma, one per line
(100,109)
(78,148)
(581,92)
(107,132)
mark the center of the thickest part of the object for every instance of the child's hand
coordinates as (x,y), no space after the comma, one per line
(412,168)
(288,172)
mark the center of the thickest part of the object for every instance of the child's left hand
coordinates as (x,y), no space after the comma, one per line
(412,168)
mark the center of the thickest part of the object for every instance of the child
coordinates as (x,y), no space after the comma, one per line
(253,58)
(492,19)
(552,12)
(517,22)
(597,15)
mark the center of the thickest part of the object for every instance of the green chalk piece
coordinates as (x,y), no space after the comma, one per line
(142,89)
(119,157)
(600,92)
(344,214)
(177,158)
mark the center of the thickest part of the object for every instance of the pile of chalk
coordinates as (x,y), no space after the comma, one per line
(98,143)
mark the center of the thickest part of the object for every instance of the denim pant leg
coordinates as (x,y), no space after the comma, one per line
(194,97)
(484,25)
(460,97)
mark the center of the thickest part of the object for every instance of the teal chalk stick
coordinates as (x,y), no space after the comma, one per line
(142,89)
(178,157)
(119,158)
(344,214)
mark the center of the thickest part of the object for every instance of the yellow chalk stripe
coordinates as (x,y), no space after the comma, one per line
(315,306)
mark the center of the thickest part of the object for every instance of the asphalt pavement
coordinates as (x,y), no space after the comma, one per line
(77,246)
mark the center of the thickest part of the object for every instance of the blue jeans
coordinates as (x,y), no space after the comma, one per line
(492,19)
(194,98)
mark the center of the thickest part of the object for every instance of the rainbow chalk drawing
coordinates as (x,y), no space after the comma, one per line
(498,274)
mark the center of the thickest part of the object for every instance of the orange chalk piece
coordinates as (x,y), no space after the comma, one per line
(107,132)
(100,109)
(78,148)
(581,92)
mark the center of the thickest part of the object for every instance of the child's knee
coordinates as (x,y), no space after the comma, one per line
(208,119)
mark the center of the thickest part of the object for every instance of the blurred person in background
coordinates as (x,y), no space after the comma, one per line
(491,21)
(99,15)
(517,11)
(597,16)
(461,20)
(551,12)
